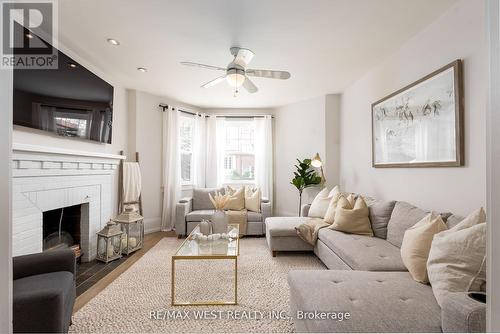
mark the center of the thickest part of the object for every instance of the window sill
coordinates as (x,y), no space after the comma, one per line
(238,182)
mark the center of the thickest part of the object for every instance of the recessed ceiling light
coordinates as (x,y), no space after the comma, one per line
(142,69)
(29,35)
(72,65)
(113,41)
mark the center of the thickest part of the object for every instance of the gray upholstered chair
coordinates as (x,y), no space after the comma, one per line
(44,292)
(190,211)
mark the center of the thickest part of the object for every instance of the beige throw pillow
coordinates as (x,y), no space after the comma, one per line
(352,219)
(417,244)
(237,201)
(320,203)
(252,198)
(332,206)
(457,259)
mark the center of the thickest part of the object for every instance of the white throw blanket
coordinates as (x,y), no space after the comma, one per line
(132,183)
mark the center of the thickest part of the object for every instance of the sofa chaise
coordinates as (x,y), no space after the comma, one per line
(367,278)
(191,210)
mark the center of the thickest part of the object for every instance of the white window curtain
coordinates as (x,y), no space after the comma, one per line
(264,155)
(199,150)
(171,167)
(216,142)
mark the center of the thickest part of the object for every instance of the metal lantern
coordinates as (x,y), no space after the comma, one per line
(109,242)
(132,225)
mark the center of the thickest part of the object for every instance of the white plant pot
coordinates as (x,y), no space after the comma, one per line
(219,222)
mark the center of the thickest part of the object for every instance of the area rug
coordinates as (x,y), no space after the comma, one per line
(138,301)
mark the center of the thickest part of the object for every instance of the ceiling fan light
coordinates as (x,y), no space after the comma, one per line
(235,78)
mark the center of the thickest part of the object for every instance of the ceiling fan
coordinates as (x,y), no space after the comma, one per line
(237,74)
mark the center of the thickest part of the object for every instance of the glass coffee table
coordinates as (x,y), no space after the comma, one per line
(221,249)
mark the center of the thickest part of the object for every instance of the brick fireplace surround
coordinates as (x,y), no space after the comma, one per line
(46,179)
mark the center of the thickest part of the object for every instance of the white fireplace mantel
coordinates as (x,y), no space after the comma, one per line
(46,178)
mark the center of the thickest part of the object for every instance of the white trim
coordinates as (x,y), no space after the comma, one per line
(493,167)
(52,150)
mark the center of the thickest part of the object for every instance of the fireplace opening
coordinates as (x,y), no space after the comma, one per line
(61,228)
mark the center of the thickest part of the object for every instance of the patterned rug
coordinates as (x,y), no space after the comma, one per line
(138,301)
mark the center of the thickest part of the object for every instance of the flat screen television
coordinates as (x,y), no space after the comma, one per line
(69,101)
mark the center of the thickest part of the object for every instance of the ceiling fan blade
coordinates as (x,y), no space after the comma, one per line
(214,82)
(270,74)
(249,86)
(208,67)
(243,57)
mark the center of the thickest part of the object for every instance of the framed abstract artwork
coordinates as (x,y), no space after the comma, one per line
(421,125)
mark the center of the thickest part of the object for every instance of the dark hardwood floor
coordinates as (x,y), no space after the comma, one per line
(89,273)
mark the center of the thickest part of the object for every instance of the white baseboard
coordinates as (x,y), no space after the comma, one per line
(152,225)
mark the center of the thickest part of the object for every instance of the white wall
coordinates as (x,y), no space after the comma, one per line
(5,202)
(493,161)
(145,137)
(331,159)
(458,33)
(299,134)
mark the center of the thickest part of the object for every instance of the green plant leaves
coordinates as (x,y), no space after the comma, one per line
(305,176)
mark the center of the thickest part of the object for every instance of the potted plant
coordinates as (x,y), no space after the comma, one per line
(304,177)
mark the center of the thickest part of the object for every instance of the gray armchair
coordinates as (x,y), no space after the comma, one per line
(190,211)
(44,292)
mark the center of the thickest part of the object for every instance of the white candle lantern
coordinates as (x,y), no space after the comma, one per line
(132,225)
(109,245)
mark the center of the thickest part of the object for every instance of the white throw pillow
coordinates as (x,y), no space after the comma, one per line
(320,203)
(252,198)
(457,259)
(416,245)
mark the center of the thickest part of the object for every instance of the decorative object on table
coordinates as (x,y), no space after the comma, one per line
(130,185)
(316,162)
(205,227)
(421,125)
(132,225)
(304,177)
(219,218)
(109,242)
(212,237)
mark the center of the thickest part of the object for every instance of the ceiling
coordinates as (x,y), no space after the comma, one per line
(325,44)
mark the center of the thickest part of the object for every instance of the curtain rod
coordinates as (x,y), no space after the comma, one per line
(242,116)
(166,107)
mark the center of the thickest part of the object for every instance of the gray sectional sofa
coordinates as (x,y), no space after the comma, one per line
(367,278)
(191,210)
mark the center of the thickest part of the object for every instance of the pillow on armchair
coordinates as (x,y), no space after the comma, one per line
(237,202)
(253,198)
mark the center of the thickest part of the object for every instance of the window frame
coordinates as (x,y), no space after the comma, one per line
(233,154)
(191,120)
